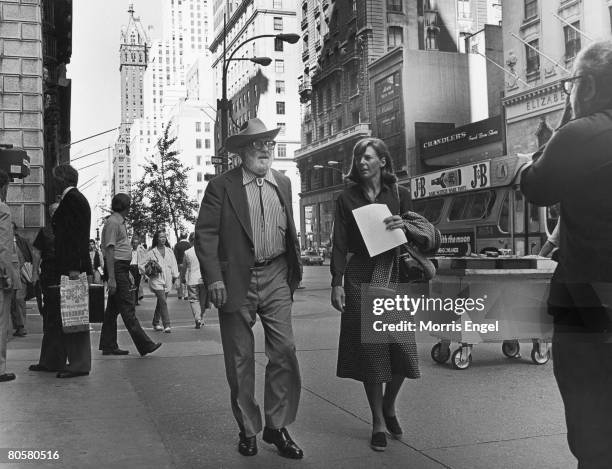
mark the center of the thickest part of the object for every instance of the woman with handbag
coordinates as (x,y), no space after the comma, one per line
(381,366)
(159,265)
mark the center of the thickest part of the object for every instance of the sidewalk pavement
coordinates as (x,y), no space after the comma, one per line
(171,409)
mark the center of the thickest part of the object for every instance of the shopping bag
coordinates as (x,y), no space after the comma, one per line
(96,300)
(74,303)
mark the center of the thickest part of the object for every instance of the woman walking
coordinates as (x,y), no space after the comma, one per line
(382,367)
(160,266)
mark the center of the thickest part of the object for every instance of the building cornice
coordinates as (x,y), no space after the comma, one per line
(532,93)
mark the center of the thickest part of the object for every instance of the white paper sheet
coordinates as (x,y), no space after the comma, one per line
(377,238)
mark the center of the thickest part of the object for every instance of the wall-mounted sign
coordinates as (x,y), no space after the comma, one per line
(460,138)
(470,177)
(387,95)
(534,103)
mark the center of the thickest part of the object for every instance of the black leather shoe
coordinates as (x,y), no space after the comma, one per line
(378,441)
(20,332)
(7,377)
(247,445)
(393,426)
(71,374)
(153,349)
(281,439)
(117,351)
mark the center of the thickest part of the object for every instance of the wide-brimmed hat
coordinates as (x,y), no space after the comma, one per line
(254,129)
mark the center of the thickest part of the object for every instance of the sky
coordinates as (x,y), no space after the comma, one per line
(94,70)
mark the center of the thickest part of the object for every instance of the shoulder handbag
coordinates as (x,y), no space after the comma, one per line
(414,266)
(152,267)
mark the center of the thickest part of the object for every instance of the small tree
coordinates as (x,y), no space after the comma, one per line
(140,216)
(162,191)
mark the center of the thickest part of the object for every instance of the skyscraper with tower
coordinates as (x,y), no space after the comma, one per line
(134,57)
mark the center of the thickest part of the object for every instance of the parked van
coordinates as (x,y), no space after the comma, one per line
(479,208)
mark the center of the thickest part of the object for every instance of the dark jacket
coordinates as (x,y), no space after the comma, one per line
(71,223)
(224,239)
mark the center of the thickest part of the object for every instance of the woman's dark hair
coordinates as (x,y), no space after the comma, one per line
(382,151)
(156,239)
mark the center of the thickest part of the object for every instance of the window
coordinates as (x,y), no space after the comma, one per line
(429,208)
(471,206)
(394,5)
(282,150)
(207,143)
(280,86)
(277,4)
(572,40)
(395,36)
(198,126)
(431,42)
(531,9)
(356,117)
(533,58)
(308,138)
(199,176)
(328,96)
(279,66)
(321,132)
(339,123)
(198,143)
(278,45)
(280,107)
(278,23)
(463,9)
(206,126)
(199,160)
(283,127)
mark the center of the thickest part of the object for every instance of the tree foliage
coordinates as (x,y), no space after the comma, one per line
(160,197)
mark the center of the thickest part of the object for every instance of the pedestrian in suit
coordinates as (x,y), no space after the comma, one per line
(52,352)
(248,251)
(9,273)
(71,224)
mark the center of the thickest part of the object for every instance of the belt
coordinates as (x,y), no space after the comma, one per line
(266,261)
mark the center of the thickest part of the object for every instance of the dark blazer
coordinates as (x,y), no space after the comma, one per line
(224,239)
(71,223)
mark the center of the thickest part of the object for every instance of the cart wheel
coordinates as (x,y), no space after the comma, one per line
(456,360)
(439,354)
(511,348)
(538,358)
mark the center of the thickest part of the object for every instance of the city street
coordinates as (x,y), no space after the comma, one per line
(171,409)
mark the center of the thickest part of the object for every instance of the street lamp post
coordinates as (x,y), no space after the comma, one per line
(223,104)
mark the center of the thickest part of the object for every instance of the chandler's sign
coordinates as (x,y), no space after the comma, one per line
(461,138)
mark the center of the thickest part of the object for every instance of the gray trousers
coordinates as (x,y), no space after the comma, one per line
(5,311)
(270,297)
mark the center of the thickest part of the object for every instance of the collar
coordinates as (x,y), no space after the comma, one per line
(66,191)
(248,176)
(121,217)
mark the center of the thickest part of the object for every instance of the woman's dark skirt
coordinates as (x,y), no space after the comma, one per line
(369,362)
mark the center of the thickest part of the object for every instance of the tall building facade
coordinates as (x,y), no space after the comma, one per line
(178,88)
(35,99)
(267,92)
(391,69)
(134,57)
(534,104)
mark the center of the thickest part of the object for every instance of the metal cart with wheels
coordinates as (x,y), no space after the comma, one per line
(509,299)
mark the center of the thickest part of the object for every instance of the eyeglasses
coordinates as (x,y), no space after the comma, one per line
(263,144)
(568,84)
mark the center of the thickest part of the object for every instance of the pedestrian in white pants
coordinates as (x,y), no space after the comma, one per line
(196,289)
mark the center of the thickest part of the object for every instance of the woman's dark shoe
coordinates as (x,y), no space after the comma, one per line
(378,441)
(7,377)
(393,426)
(247,445)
